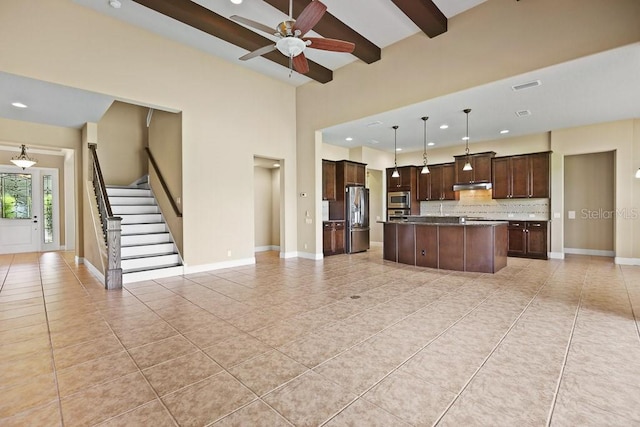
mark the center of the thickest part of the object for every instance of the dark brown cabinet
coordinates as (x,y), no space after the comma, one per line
(354,173)
(438,183)
(405,182)
(525,176)
(427,246)
(390,247)
(347,173)
(481,168)
(528,239)
(328,180)
(333,237)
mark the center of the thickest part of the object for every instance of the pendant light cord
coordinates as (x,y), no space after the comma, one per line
(395,146)
(424,154)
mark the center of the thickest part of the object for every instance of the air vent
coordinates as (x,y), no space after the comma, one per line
(374,141)
(526,85)
(376,123)
(523,113)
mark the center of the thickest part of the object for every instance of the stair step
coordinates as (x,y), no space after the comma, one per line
(150,262)
(141,218)
(125,200)
(143,228)
(146,250)
(145,239)
(119,210)
(156,273)
(127,192)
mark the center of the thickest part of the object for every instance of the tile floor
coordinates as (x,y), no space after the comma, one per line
(350,341)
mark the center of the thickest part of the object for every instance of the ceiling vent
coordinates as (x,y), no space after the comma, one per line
(376,123)
(526,85)
(523,113)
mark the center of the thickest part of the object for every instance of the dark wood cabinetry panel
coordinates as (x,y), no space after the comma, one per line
(519,177)
(424,184)
(390,252)
(339,238)
(438,184)
(501,173)
(406,241)
(451,250)
(435,192)
(477,258)
(528,239)
(448,179)
(517,239)
(481,168)
(328,180)
(525,176)
(405,182)
(327,238)
(427,246)
(332,238)
(540,167)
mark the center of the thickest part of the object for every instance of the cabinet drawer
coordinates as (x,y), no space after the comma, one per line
(328,225)
(536,224)
(517,225)
(339,225)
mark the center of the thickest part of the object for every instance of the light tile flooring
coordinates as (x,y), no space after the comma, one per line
(350,341)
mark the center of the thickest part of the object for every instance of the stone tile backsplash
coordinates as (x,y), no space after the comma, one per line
(502,209)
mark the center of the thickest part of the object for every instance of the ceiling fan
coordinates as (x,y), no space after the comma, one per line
(290,33)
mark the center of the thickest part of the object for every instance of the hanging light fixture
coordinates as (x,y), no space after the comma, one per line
(395,173)
(23,160)
(425,168)
(638,173)
(467,166)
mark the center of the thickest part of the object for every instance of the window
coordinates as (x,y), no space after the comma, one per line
(47,202)
(15,196)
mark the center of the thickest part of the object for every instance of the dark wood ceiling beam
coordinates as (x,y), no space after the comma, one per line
(331,27)
(425,14)
(203,19)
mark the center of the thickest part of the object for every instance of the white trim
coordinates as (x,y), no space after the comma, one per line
(288,255)
(218,265)
(309,255)
(626,261)
(592,252)
(79,260)
(266,248)
(556,255)
(93,270)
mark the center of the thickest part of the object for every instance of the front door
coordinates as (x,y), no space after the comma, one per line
(28,210)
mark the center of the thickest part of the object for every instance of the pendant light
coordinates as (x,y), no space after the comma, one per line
(638,173)
(395,173)
(467,166)
(23,160)
(425,168)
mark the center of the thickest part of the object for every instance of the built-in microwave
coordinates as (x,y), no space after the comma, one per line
(399,200)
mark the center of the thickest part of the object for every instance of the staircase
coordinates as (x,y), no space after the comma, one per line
(147,248)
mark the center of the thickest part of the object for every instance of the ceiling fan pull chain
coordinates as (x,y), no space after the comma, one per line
(290,65)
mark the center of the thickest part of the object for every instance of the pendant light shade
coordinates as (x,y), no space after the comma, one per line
(395,173)
(467,165)
(23,160)
(425,168)
(638,173)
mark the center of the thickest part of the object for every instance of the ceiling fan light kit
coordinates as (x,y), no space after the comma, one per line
(290,46)
(23,160)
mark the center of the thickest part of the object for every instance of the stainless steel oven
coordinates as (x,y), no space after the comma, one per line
(398,214)
(399,200)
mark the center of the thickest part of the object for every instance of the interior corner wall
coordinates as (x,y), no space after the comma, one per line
(492,41)
(275,207)
(263,211)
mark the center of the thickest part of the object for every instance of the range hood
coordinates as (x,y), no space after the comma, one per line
(472,186)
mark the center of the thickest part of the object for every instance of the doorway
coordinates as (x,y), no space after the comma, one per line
(29,212)
(267,205)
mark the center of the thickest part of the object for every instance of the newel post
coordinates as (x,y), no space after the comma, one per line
(113,275)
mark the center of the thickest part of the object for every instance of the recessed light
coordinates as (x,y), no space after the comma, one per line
(236,1)
(503,131)
(444,126)
(115,4)
(431,144)
(398,149)
(348,138)
(276,165)
(19,105)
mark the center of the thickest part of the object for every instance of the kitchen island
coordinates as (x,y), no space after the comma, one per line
(449,243)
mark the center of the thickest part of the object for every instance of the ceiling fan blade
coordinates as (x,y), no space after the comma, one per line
(300,64)
(309,17)
(330,44)
(258,52)
(253,24)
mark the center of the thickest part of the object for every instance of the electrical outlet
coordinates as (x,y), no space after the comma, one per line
(309,220)
(229,252)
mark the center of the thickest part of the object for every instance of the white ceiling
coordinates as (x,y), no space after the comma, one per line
(594,89)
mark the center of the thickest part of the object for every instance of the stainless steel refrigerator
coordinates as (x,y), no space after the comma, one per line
(357,218)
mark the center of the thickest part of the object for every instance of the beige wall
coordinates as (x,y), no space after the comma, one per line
(275,207)
(228,114)
(122,136)
(262,195)
(495,40)
(376,195)
(588,193)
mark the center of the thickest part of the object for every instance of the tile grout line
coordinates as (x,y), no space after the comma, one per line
(633,312)
(486,359)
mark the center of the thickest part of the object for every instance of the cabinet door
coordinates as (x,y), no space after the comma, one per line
(539,175)
(327,238)
(427,246)
(351,173)
(482,169)
(328,180)
(338,246)
(436,183)
(501,178)
(407,177)
(448,179)
(424,184)
(520,176)
(361,174)
(406,244)
(451,247)
(393,184)
(537,239)
(389,248)
(517,238)
(462,176)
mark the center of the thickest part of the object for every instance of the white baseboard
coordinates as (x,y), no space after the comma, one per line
(93,270)
(285,255)
(79,260)
(556,255)
(218,265)
(592,252)
(309,255)
(626,261)
(266,248)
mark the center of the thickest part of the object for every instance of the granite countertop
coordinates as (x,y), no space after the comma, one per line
(472,223)
(333,220)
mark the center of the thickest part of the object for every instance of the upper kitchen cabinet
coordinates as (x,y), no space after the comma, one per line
(525,176)
(481,168)
(353,173)
(328,180)
(438,183)
(405,182)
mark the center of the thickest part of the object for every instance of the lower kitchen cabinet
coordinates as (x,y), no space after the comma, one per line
(528,239)
(427,246)
(390,247)
(451,250)
(406,242)
(333,237)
